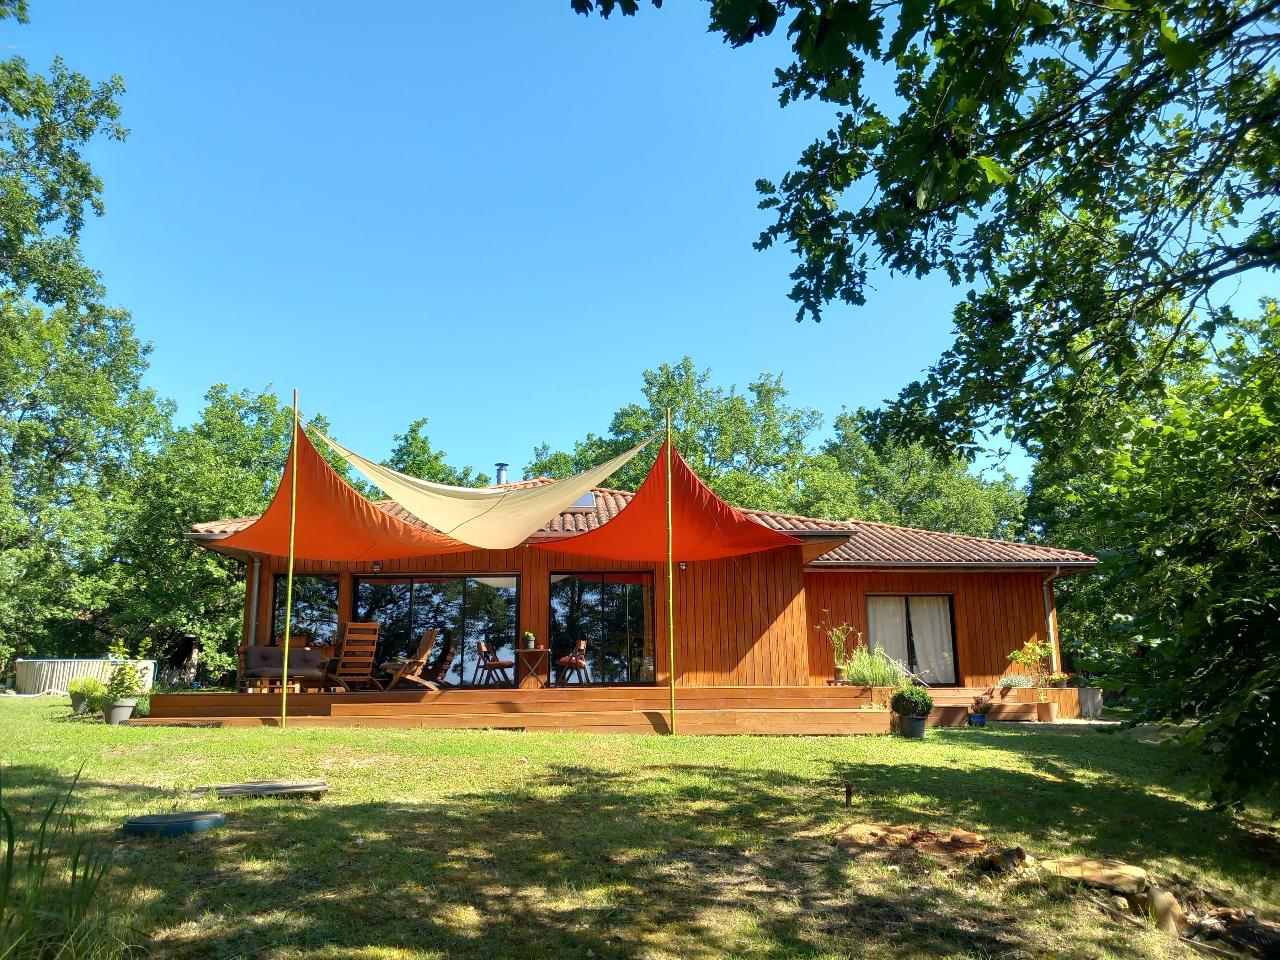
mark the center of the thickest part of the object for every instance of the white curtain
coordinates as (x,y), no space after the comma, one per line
(887,625)
(931,637)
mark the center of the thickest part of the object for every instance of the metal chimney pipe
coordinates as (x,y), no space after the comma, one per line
(502,472)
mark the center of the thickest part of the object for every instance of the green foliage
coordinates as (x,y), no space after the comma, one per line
(1033,658)
(73,418)
(981,706)
(854,476)
(1091,171)
(52,890)
(125,683)
(1020,680)
(1190,500)
(91,688)
(838,636)
(754,451)
(47,185)
(414,455)
(744,446)
(216,663)
(911,701)
(865,667)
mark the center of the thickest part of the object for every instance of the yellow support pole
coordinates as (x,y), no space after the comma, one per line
(288,589)
(671,618)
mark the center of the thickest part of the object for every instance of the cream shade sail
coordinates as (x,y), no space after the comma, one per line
(486,517)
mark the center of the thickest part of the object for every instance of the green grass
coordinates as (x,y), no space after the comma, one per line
(490,844)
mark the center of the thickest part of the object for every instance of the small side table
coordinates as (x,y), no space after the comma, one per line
(533,668)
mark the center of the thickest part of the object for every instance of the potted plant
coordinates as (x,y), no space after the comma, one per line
(912,704)
(123,690)
(838,637)
(1059,679)
(978,711)
(86,693)
(530,641)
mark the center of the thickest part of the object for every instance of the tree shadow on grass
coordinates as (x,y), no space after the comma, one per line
(1108,802)
(678,860)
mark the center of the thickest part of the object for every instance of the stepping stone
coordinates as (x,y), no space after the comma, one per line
(266,788)
(173,824)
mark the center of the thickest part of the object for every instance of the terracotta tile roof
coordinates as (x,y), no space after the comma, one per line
(881,544)
(868,544)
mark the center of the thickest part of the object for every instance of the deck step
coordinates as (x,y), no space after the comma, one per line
(706,722)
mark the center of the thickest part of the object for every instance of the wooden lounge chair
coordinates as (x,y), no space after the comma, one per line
(491,667)
(444,659)
(574,664)
(413,669)
(353,666)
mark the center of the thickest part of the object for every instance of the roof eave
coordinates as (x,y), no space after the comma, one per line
(838,566)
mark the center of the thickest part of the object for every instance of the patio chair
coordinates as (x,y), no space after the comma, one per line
(574,664)
(491,667)
(413,669)
(444,659)
(353,666)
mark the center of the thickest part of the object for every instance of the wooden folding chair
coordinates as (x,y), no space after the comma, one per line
(353,666)
(444,659)
(574,664)
(491,667)
(413,669)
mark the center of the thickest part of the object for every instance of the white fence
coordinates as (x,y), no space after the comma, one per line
(42,676)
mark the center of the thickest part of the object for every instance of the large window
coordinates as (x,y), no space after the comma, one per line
(315,609)
(613,613)
(915,631)
(463,610)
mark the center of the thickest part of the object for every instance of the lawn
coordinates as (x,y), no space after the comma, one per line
(435,844)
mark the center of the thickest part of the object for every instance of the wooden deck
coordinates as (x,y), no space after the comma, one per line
(811,710)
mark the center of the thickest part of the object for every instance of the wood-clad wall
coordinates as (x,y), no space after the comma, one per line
(996,612)
(738,622)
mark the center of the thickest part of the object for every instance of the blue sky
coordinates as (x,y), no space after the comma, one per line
(492,215)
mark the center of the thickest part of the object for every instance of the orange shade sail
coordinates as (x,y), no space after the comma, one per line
(704,527)
(334,522)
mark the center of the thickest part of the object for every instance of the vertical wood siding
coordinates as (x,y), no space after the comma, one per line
(738,622)
(996,612)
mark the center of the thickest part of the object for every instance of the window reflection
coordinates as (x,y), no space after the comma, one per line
(315,609)
(613,613)
(464,611)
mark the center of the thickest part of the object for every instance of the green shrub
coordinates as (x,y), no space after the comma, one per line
(216,664)
(866,668)
(125,683)
(91,688)
(911,701)
(51,886)
(1015,680)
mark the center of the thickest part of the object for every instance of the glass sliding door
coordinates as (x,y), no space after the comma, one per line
(462,610)
(389,603)
(930,619)
(887,627)
(916,632)
(315,609)
(613,613)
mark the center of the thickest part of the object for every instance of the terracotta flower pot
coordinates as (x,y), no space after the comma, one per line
(1046,712)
